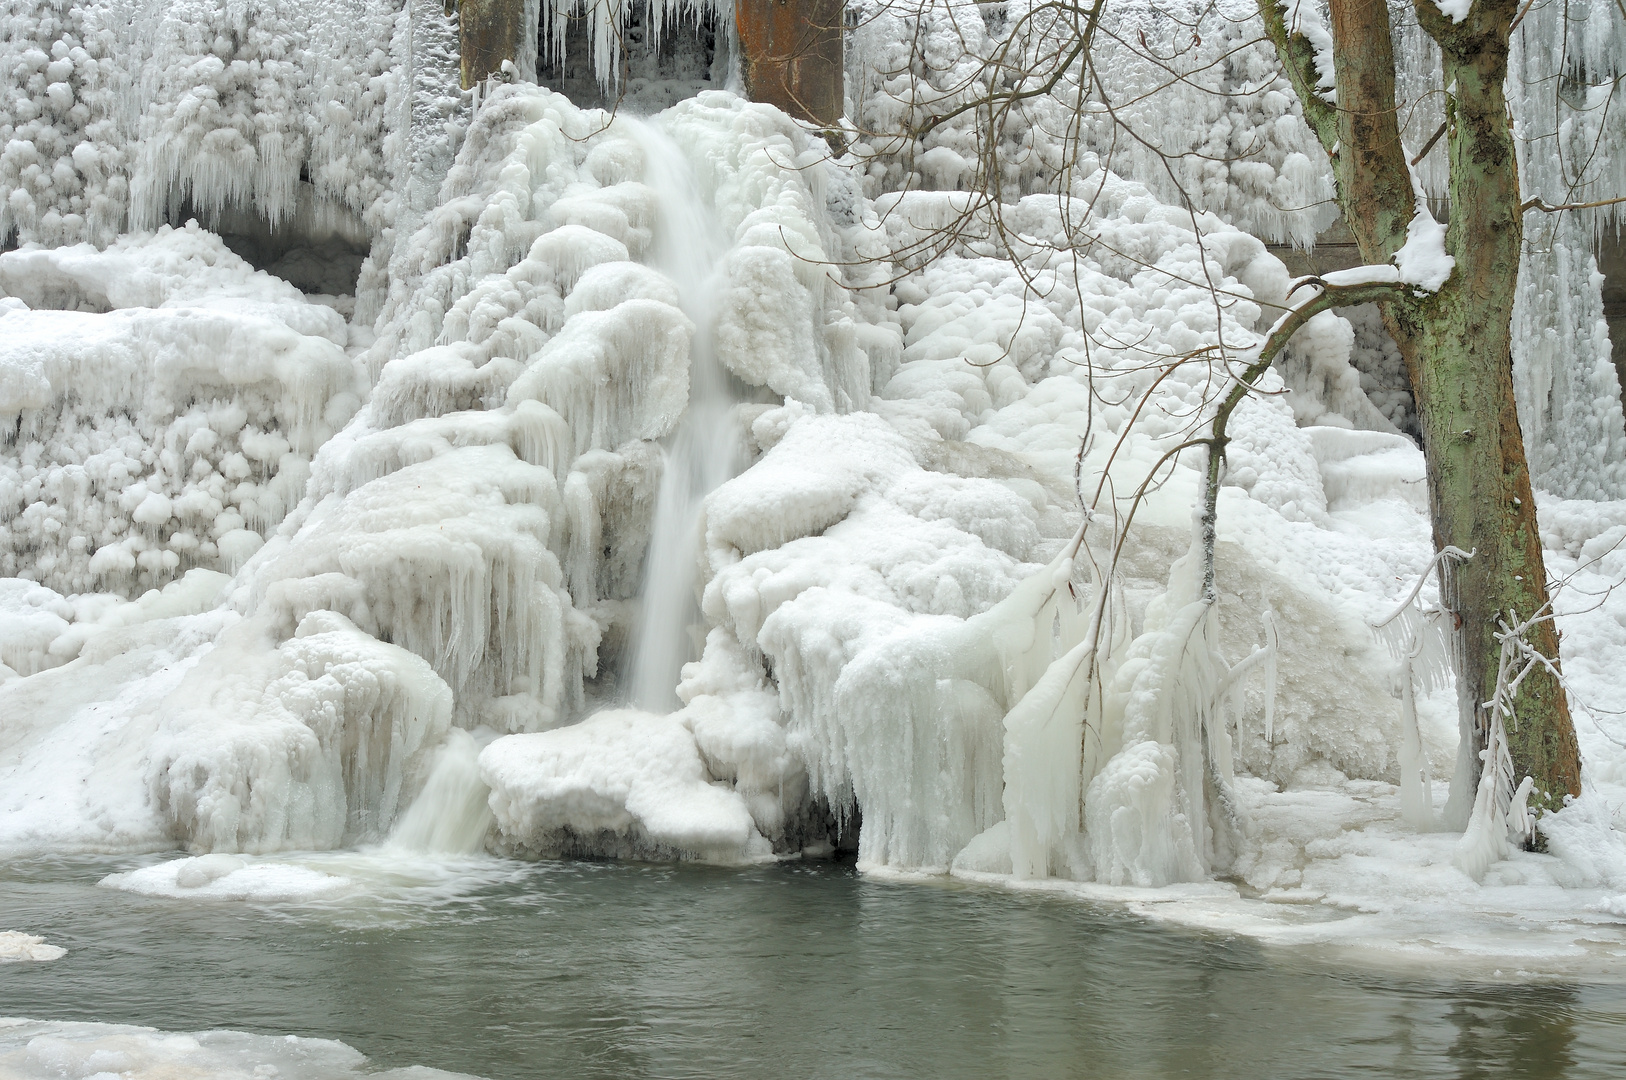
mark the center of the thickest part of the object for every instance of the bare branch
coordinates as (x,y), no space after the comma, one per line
(1548,208)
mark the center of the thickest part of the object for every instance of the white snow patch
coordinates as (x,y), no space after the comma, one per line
(17,947)
(637,777)
(1422,260)
(62,1050)
(1455,10)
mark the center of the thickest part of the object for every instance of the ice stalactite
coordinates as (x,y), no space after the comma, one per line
(126,114)
(1500,815)
(606,25)
(301,745)
(1421,639)
(1564,378)
(1564,68)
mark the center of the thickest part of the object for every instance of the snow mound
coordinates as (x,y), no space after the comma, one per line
(620,782)
(322,738)
(226,877)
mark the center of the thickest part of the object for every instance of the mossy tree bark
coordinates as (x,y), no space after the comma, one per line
(1457,342)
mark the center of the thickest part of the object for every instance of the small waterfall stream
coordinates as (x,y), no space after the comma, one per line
(705,449)
(450,815)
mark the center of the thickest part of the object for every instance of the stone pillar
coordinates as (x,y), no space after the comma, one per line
(489,32)
(791,54)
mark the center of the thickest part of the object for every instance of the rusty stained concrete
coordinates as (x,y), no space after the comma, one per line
(792,55)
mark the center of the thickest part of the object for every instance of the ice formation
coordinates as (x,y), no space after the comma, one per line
(20,948)
(48,1050)
(677,488)
(165,401)
(1197,108)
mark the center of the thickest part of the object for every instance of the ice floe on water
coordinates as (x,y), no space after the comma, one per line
(17,947)
(61,1050)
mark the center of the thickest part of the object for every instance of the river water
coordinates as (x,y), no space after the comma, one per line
(598,970)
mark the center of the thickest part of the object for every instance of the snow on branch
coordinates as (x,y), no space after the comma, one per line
(1335,291)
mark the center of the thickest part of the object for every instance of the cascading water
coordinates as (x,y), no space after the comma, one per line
(451,815)
(705,449)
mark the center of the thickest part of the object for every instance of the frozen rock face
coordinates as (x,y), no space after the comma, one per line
(468,546)
(296,747)
(467,549)
(164,401)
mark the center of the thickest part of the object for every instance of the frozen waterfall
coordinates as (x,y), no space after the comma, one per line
(705,449)
(648,499)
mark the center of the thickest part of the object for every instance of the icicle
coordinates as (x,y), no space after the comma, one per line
(1044,736)
(1272,650)
(1420,639)
(1416,791)
(1521,823)
(1486,839)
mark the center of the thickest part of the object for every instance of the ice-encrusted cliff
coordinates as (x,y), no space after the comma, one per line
(268,548)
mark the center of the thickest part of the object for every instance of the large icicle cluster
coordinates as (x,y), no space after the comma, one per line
(484,513)
(119,114)
(878,570)
(1564,73)
(606,28)
(1192,102)
(1209,124)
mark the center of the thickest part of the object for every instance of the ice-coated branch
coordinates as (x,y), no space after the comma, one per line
(1332,294)
(1422,642)
(1080,49)
(1551,208)
(1447,552)
(1501,815)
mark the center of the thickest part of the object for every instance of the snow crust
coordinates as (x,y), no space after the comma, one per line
(49,1050)
(1455,10)
(281,578)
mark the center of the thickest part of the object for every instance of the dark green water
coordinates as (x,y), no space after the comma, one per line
(585,970)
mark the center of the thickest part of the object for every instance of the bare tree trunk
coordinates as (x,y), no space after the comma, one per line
(1456,342)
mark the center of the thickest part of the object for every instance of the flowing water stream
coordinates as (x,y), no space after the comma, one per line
(600,971)
(705,449)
